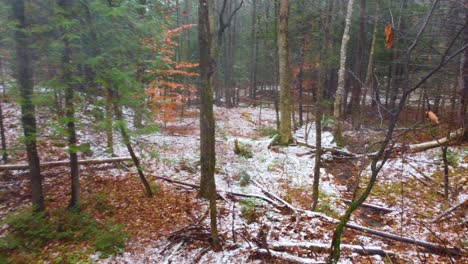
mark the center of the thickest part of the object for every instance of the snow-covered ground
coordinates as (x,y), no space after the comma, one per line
(286,172)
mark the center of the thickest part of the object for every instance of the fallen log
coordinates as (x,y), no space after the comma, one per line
(286,257)
(453,208)
(433,248)
(435,143)
(194,186)
(274,196)
(64,163)
(372,206)
(334,151)
(320,247)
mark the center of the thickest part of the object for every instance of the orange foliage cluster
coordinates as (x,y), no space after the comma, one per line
(167,93)
(388,36)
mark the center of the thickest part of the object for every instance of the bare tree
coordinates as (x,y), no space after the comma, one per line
(388,143)
(339,97)
(207,122)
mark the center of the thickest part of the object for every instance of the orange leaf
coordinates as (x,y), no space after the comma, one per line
(431,116)
(388,36)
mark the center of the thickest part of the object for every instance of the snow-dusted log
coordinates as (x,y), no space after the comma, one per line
(288,258)
(435,143)
(453,208)
(64,163)
(434,248)
(274,196)
(320,247)
(194,186)
(334,151)
(372,206)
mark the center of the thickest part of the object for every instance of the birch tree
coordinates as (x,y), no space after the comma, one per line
(338,104)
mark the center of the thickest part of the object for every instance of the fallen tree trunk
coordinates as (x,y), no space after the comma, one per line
(274,196)
(372,206)
(453,208)
(194,186)
(334,151)
(64,163)
(435,143)
(433,248)
(319,247)
(286,257)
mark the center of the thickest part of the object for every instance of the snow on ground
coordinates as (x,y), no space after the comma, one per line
(173,152)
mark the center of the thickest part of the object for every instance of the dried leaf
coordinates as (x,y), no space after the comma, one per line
(388,36)
(431,116)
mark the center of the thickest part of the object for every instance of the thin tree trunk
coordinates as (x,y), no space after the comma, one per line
(126,139)
(284,75)
(318,143)
(207,123)
(370,84)
(108,120)
(339,98)
(446,171)
(300,79)
(254,49)
(276,62)
(2,127)
(359,68)
(70,112)
(24,76)
(462,116)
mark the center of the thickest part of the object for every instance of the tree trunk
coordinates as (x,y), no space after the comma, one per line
(24,76)
(300,76)
(254,50)
(359,69)
(318,143)
(369,81)
(70,110)
(284,75)
(338,104)
(207,123)
(462,116)
(108,120)
(126,138)
(2,127)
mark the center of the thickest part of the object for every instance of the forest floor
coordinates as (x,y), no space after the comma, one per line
(173,227)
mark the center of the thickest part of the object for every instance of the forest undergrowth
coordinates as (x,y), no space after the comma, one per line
(173,225)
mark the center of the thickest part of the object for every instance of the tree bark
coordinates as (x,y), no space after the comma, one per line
(126,139)
(369,81)
(2,126)
(74,203)
(24,76)
(284,75)
(359,69)
(462,116)
(254,51)
(207,123)
(339,97)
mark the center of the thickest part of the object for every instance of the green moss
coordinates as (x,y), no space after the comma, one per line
(267,132)
(28,233)
(249,210)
